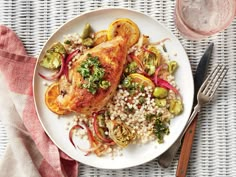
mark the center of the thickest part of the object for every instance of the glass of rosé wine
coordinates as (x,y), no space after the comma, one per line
(199,19)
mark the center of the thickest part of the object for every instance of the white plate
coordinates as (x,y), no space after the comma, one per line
(133,155)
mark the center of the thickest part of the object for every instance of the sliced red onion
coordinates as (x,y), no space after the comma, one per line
(68,59)
(71,133)
(158,70)
(149,51)
(163,83)
(161,41)
(91,149)
(90,135)
(96,130)
(72,55)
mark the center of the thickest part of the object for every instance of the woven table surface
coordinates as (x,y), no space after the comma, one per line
(214,148)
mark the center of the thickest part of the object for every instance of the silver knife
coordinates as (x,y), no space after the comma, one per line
(167,157)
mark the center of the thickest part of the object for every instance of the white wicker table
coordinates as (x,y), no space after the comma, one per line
(214,148)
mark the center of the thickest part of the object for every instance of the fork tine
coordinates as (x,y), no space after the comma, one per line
(218,82)
(207,79)
(215,80)
(212,79)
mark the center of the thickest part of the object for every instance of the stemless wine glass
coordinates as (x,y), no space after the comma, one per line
(198,19)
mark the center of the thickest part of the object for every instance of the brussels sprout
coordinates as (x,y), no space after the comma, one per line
(52,58)
(120,133)
(87,42)
(160,102)
(172,66)
(86,31)
(160,92)
(176,107)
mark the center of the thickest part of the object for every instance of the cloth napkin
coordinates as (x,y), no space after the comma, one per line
(30,152)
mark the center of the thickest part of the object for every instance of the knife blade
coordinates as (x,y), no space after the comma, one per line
(189,135)
(201,71)
(166,158)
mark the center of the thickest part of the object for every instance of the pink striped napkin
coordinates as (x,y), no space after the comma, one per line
(30,151)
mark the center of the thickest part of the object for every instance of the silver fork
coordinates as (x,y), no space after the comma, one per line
(205,95)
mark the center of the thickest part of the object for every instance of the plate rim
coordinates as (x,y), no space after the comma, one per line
(84,14)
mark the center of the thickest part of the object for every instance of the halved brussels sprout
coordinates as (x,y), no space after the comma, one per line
(52,58)
(160,102)
(160,92)
(176,107)
(120,133)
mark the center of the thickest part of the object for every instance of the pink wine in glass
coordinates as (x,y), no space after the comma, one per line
(198,19)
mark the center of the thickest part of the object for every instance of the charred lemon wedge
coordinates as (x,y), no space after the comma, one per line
(100,37)
(51,95)
(142,80)
(125,28)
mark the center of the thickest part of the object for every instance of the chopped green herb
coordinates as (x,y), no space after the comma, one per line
(141,100)
(68,42)
(133,88)
(129,110)
(160,129)
(150,117)
(93,73)
(131,68)
(141,88)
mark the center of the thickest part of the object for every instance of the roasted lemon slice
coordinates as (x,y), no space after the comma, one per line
(51,95)
(100,37)
(126,28)
(139,78)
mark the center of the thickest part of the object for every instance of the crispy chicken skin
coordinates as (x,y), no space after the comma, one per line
(112,56)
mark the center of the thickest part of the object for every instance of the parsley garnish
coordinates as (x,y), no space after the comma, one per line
(93,73)
(160,130)
(160,127)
